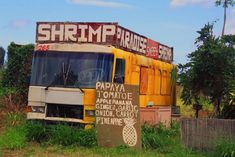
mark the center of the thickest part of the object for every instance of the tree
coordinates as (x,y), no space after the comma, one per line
(2,55)
(18,68)
(225,4)
(210,72)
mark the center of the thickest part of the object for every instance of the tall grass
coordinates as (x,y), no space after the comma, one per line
(157,140)
(14,119)
(158,136)
(66,135)
(60,134)
(225,148)
(16,137)
(153,137)
(11,99)
(13,138)
(36,132)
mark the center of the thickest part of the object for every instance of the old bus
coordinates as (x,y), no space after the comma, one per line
(70,58)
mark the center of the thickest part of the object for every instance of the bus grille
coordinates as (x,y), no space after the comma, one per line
(64,111)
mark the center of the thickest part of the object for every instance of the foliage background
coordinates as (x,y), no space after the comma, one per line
(210,73)
(16,75)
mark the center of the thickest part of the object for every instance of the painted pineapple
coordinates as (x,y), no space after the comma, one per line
(129,133)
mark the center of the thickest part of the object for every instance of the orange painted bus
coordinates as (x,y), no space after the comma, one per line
(70,58)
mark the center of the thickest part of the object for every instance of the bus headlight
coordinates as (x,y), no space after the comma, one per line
(39,109)
(90,113)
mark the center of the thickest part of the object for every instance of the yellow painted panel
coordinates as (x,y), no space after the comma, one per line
(89,96)
(160,100)
(143,101)
(141,60)
(135,78)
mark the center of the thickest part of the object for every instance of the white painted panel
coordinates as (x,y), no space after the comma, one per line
(64,97)
(36,93)
(32,115)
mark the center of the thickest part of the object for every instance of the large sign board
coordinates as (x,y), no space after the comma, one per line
(165,53)
(152,49)
(76,32)
(101,33)
(131,41)
(117,115)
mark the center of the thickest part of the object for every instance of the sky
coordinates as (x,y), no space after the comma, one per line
(170,22)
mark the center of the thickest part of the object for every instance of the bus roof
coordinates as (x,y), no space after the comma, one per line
(104,33)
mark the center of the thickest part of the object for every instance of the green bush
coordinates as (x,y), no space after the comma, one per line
(60,134)
(66,135)
(158,136)
(175,128)
(228,112)
(4,91)
(18,69)
(154,141)
(225,148)
(87,138)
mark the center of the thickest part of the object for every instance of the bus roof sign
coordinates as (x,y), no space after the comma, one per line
(101,33)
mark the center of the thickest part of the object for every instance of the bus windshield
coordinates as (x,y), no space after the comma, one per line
(70,69)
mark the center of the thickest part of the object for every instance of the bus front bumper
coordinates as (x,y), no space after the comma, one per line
(41,116)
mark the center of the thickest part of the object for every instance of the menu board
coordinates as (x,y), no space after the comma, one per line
(117,115)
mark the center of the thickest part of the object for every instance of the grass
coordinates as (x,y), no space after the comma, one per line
(158,136)
(13,138)
(12,134)
(36,132)
(14,119)
(23,138)
(60,134)
(58,151)
(225,148)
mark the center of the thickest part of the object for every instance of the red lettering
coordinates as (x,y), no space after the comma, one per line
(43,47)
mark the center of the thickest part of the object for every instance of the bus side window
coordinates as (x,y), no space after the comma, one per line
(119,76)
